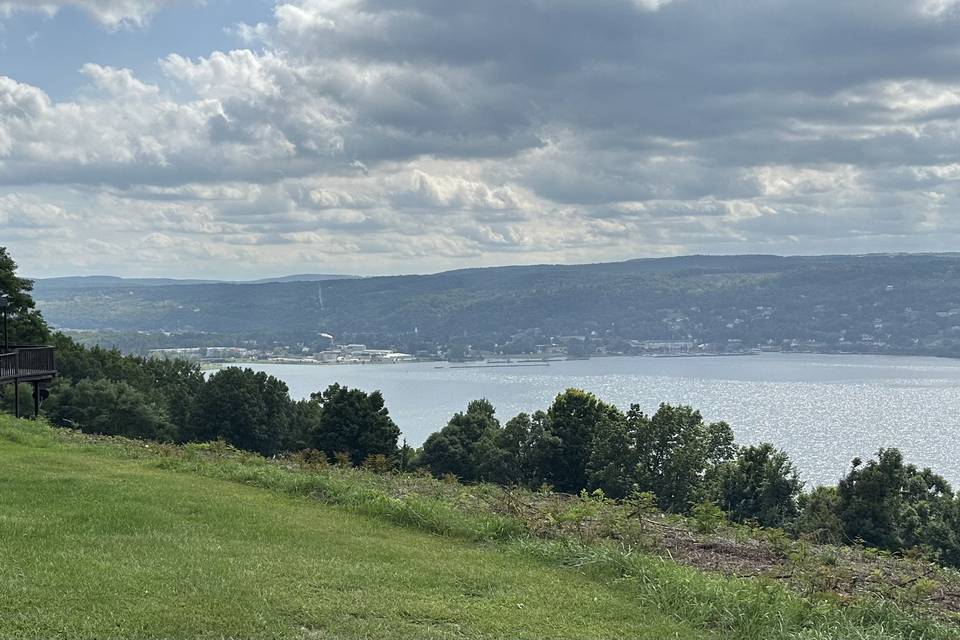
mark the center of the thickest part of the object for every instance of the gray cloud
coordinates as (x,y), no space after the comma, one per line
(438,133)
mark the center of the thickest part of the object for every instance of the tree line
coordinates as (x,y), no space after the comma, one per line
(579,442)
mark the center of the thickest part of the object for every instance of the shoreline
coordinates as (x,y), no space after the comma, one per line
(532,361)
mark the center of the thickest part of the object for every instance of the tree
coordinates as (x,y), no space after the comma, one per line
(26,325)
(543,448)
(172,384)
(304,420)
(247,408)
(671,454)
(614,455)
(893,505)
(475,448)
(511,465)
(560,445)
(110,408)
(871,500)
(353,422)
(456,447)
(759,484)
(676,450)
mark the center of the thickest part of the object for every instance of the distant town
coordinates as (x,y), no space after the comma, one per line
(335,354)
(564,347)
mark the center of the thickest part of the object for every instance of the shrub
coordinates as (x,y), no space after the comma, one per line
(110,408)
(707,517)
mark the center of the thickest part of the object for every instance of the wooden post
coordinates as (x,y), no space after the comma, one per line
(16,397)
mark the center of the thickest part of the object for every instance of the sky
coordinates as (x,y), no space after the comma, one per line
(253,138)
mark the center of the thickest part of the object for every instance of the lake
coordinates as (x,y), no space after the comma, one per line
(824,410)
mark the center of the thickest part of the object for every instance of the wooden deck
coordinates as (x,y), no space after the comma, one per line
(27,364)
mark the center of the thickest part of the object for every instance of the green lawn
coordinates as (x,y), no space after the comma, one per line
(92,546)
(110,538)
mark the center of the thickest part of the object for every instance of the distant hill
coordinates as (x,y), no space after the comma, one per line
(302,277)
(899,303)
(113,281)
(81,282)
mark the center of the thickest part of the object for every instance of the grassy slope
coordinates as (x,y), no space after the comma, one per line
(111,539)
(92,546)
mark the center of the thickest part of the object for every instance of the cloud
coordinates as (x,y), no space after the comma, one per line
(119,83)
(362,135)
(111,13)
(455,193)
(19,212)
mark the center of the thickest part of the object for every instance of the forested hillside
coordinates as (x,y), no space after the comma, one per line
(876,303)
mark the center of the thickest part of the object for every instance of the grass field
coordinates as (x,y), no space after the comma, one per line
(99,542)
(92,547)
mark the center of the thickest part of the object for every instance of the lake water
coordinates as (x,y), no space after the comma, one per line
(824,410)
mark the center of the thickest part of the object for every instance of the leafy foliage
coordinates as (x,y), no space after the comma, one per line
(760,484)
(466,446)
(563,441)
(352,422)
(670,454)
(247,408)
(819,516)
(110,408)
(893,505)
(25,324)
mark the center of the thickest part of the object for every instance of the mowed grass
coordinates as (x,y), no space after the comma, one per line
(93,546)
(110,538)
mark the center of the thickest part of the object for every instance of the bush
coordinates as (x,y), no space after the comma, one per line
(819,516)
(110,408)
(707,517)
(378,463)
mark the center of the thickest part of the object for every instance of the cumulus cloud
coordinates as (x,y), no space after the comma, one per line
(356,134)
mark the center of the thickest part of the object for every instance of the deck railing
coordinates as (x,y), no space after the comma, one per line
(27,362)
(8,365)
